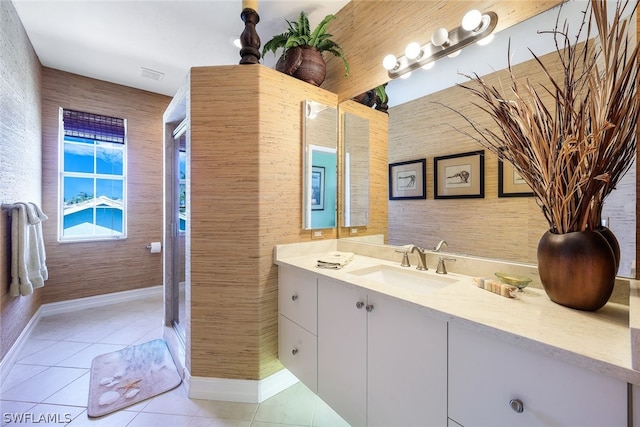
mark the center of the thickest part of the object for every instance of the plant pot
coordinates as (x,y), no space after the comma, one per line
(305,63)
(367,98)
(577,269)
(613,242)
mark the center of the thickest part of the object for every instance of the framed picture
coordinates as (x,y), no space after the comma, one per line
(407,180)
(510,183)
(459,176)
(317,188)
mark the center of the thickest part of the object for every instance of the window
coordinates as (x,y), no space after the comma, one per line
(182,185)
(92,195)
(180,174)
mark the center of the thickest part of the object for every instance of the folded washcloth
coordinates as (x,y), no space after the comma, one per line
(335,260)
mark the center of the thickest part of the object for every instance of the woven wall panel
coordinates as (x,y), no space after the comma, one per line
(20,158)
(86,269)
(368,30)
(246,169)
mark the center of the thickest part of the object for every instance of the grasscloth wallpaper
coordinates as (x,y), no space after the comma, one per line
(85,269)
(20,158)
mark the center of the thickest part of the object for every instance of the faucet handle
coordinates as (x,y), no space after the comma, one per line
(442,268)
(405,257)
(439,246)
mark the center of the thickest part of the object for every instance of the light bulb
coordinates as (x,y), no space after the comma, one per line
(406,75)
(454,54)
(237,43)
(413,50)
(440,37)
(485,41)
(472,20)
(428,65)
(312,113)
(389,62)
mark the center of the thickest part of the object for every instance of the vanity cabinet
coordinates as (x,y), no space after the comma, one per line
(297,324)
(495,383)
(381,361)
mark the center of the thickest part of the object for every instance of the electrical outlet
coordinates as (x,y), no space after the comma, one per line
(353,231)
(317,234)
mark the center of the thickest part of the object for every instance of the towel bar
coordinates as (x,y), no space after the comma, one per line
(8,207)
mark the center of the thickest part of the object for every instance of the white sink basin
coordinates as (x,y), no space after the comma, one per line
(406,278)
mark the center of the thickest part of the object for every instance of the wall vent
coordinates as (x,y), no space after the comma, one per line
(151,74)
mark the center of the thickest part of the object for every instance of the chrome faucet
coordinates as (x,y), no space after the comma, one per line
(439,246)
(422,256)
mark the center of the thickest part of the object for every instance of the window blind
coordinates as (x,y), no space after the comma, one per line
(93,126)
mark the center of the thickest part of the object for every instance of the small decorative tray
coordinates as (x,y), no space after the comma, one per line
(519,282)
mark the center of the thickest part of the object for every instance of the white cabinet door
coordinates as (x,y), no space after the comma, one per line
(342,347)
(407,365)
(635,406)
(297,297)
(298,351)
(486,374)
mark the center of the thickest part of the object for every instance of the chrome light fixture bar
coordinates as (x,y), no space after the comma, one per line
(475,26)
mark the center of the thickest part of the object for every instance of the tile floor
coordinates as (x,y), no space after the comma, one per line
(51,377)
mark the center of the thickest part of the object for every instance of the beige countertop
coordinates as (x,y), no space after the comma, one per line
(599,341)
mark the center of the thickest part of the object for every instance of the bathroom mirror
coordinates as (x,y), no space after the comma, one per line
(506,228)
(355,160)
(320,165)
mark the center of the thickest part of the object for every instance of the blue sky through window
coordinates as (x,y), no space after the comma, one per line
(93,188)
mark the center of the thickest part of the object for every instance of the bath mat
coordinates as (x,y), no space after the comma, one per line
(125,377)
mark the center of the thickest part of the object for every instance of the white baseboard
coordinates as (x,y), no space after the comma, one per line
(246,391)
(12,355)
(99,300)
(44,310)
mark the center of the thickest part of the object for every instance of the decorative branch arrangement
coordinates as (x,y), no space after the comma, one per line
(574,151)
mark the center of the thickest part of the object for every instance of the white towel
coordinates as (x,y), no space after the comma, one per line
(335,260)
(42,256)
(28,268)
(20,284)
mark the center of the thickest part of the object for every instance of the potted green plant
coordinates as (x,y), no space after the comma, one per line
(382,98)
(571,139)
(376,96)
(302,50)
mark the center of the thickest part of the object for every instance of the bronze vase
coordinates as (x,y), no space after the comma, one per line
(304,63)
(578,269)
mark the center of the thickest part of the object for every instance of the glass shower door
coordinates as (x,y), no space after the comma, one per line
(180,227)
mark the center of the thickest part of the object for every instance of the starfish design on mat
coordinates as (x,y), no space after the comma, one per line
(129,385)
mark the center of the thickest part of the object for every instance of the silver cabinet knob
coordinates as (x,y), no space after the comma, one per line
(369,308)
(359,305)
(294,351)
(294,297)
(517,405)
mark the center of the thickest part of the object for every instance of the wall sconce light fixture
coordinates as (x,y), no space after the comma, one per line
(313,108)
(475,26)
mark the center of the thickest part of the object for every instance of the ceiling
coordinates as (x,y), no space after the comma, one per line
(117,40)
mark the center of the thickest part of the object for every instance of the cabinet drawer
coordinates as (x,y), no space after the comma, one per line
(298,297)
(298,352)
(486,373)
